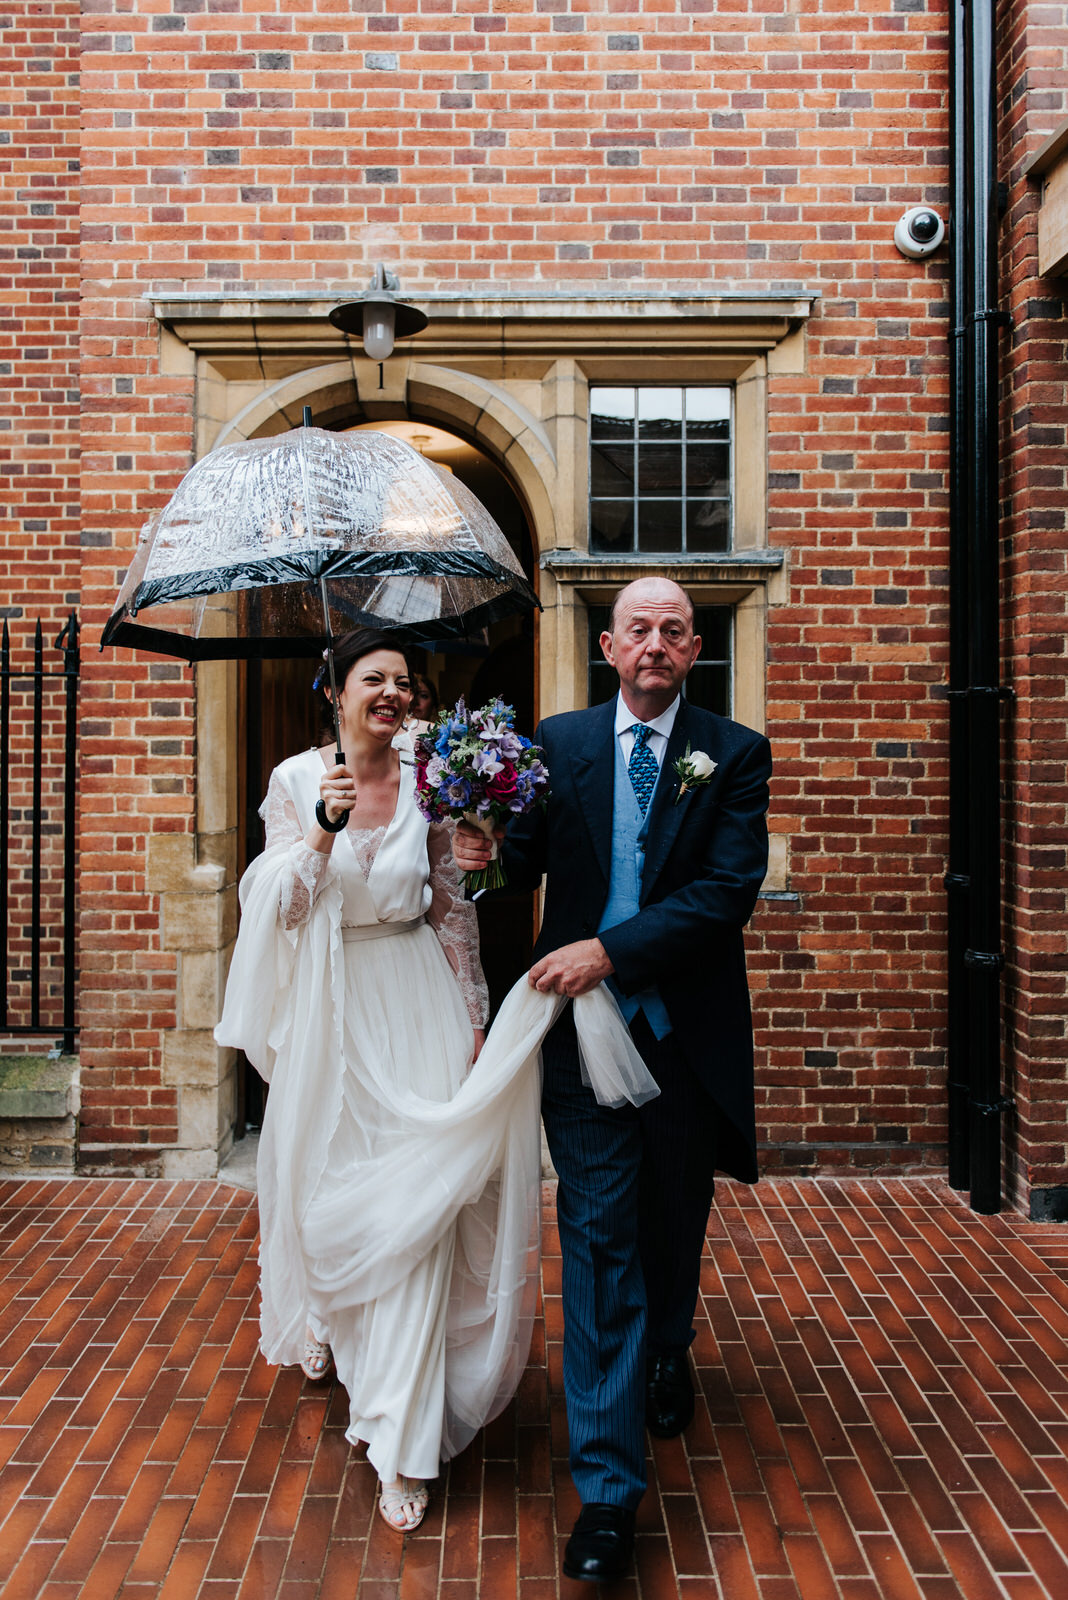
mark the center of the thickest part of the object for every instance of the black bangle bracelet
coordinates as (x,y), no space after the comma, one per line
(324,821)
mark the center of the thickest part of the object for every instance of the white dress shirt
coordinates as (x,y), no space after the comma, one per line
(659,729)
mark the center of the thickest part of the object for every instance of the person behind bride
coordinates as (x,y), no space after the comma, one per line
(395,1242)
(423,710)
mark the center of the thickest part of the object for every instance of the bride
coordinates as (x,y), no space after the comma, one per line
(356,989)
(398,1188)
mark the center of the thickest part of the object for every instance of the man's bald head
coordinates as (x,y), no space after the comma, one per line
(643,589)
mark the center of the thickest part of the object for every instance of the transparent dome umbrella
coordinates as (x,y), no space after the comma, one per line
(273,547)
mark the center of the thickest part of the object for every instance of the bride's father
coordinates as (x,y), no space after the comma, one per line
(650,878)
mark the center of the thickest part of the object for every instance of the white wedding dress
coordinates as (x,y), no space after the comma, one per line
(398,1187)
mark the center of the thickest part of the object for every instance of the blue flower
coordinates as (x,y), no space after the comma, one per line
(452,730)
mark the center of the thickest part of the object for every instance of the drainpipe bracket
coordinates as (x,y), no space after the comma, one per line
(985,960)
(993,1108)
(956,880)
(1000,319)
(1002,691)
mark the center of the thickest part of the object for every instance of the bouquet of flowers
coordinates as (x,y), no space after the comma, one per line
(473,765)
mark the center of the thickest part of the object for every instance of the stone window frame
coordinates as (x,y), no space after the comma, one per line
(639,387)
(751,578)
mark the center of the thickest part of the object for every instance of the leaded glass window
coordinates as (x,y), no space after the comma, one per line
(660,470)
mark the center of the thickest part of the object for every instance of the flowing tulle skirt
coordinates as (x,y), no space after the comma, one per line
(422,1276)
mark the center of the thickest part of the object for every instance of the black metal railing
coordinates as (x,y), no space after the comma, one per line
(38,863)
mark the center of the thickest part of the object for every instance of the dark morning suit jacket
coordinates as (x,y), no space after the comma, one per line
(705,859)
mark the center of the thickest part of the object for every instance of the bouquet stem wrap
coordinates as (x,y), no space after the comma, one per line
(492,876)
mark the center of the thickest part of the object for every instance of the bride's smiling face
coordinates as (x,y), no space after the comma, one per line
(375,697)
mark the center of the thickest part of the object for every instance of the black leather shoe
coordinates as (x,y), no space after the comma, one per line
(601,1546)
(668,1395)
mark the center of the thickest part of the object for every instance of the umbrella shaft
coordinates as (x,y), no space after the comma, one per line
(330,664)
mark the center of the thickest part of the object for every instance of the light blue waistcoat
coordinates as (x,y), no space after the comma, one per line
(629,829)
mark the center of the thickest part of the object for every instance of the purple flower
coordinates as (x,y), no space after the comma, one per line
(457,792)
(485,763)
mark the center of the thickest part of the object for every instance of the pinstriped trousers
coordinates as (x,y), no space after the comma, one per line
(633,1199)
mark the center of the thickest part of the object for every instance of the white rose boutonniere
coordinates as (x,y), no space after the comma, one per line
(695,769)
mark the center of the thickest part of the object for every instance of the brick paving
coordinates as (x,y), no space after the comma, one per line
(884,1415)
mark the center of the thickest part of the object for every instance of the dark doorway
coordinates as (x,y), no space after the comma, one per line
(282,712)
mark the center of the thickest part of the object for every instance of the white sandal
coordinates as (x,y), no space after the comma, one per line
(406,1499)
(316,1360)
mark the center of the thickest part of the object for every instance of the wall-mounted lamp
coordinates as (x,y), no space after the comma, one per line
(378,317)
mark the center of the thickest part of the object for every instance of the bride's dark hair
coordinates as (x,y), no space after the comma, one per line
(349,649)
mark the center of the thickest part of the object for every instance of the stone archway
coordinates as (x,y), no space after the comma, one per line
(484,411)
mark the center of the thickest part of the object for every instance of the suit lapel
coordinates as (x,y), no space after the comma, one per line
(665,817)
(593,767)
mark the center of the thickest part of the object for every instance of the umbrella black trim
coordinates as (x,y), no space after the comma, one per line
(269,573)
(121,629)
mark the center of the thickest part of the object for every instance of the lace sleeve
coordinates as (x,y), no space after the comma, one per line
(306,869)
(454,921)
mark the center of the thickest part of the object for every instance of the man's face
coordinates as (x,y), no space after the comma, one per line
(652,645)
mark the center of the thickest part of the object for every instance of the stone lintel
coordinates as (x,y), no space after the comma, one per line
(591,573)
(554,324)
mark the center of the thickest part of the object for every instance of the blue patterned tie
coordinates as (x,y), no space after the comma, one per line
(642,768)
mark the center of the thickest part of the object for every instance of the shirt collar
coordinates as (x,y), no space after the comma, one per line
(663,724)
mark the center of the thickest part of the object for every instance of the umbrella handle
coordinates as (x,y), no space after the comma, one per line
(339,752)
(333,701)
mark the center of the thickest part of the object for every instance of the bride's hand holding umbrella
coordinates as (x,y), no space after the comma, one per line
(337,791)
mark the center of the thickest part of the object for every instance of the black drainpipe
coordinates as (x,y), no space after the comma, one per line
(957,1034)
(975,848)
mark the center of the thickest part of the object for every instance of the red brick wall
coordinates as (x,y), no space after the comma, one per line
(137,767)
(540,143)
(1034,61)
(39,516)
(852,1019)
(137,712)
